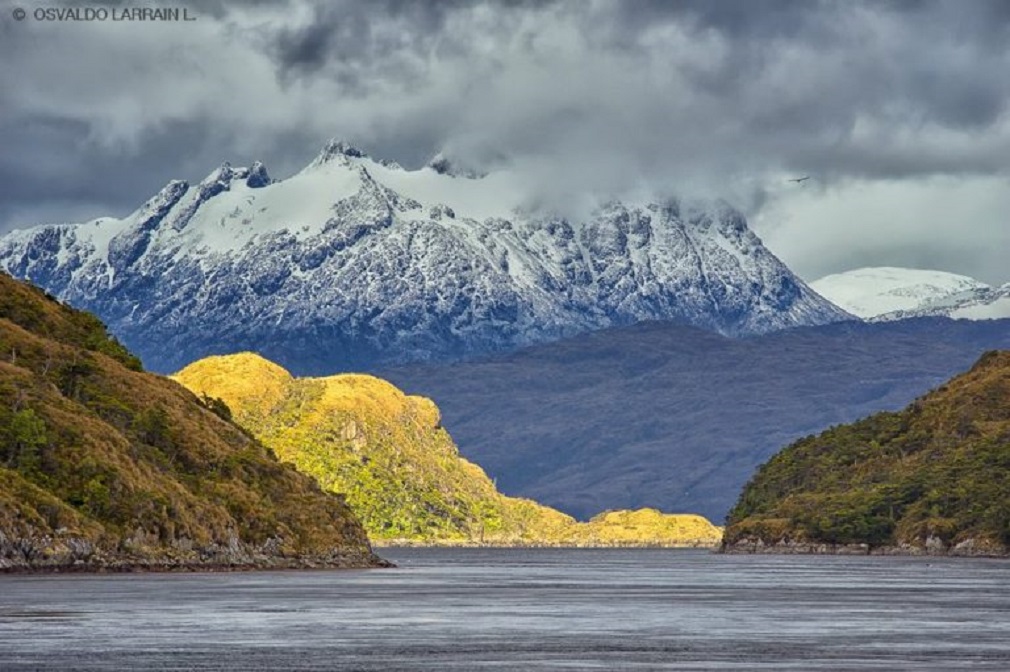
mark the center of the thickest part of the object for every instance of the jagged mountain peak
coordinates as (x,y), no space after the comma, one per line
(258,176)
(353,262)
(223,174)
(337,149)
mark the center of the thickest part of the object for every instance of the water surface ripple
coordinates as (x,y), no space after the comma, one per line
(532,609)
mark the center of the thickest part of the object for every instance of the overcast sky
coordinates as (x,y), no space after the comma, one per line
(897,110)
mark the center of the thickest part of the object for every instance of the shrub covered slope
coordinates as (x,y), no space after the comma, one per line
(105,466)
(934,477)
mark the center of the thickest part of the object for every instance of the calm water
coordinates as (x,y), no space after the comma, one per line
(523,610)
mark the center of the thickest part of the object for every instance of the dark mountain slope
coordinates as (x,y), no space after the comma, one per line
(678,418)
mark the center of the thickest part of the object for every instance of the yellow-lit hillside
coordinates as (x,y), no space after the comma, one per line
(399,469)
(385,451)
(649,527)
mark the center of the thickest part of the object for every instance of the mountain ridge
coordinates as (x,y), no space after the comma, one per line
(354,263)
(388,454)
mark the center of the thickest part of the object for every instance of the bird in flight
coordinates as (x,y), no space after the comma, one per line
(800,180)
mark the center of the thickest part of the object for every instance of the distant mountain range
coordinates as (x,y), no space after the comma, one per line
(646,354)
(888,293)
(354,263)
(679,418)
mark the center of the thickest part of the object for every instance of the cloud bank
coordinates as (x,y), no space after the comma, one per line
(890,107)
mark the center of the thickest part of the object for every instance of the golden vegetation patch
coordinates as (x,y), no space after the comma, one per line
(399,469)
(651,527)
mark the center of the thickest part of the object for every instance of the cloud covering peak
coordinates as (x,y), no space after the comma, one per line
(595,98)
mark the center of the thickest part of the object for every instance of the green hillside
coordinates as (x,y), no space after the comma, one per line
(398,467)
(934,477)
(105,466)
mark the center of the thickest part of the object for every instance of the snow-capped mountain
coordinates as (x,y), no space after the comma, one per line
(354,262)
(888,293)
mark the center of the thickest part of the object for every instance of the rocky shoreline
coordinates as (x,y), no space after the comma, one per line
(969,548)
(46,553)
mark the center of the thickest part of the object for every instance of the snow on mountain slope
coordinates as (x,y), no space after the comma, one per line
(354,262)
(996,308)
(888,293)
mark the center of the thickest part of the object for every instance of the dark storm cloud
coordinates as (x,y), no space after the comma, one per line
(774,82)
(46,170)
(351,32)
(699,96)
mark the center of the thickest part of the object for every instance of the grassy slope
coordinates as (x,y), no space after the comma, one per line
(102,464)
(935,476)
(398,467)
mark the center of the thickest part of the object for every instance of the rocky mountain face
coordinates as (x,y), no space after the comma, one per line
(354,263)
(104,466)
(887,293)
(677,418)
(931,478)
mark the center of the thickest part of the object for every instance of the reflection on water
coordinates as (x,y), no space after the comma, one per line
(540,609)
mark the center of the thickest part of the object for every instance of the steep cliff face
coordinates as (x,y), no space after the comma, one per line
(932,478)
(355,262)
(105,466)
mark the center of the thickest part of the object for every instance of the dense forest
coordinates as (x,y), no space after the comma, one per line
(934,477)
